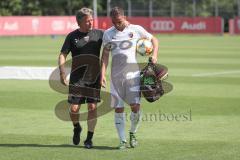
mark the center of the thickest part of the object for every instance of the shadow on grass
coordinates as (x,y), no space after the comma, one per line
(56,146)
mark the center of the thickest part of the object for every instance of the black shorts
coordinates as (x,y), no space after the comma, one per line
(82,100)
(81,94)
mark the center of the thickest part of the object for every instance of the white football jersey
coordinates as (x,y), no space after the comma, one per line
(123,43)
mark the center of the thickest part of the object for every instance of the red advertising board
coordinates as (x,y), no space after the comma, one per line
(237,25)
(36,25)
(61,25)
(234,26)
(231,26)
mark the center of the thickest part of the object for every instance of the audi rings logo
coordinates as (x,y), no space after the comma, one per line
(162,25)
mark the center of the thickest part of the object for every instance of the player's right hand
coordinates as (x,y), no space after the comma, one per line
(63,79)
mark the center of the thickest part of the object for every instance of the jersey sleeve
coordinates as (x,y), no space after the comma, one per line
(143,33)
(66,45)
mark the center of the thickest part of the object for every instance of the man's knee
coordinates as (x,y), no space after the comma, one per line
(74,108)
(119,110)
(135,107)
(92,107)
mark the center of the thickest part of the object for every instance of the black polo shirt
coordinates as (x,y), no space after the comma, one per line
(85,50)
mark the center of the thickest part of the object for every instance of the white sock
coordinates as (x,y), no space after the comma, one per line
(135,119)
(120,125)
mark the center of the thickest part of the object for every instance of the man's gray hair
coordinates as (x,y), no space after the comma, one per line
(82,13)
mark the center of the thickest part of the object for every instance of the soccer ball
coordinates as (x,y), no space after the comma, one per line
(144,47)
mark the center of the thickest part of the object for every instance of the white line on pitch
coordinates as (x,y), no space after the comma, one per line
(215,73)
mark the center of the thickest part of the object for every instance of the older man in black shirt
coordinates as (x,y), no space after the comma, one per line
(84,44)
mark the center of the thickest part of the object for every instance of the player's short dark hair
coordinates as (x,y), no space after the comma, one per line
(117,11)
(82,13)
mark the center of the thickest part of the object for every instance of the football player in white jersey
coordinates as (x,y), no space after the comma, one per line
(120,40)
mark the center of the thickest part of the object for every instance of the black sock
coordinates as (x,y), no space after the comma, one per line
(77,125)
(89,136)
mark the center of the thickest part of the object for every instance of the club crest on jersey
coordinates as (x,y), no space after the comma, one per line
(130,34)
(86,39)
(76,41)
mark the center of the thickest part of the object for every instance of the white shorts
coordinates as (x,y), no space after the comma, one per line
(125,90)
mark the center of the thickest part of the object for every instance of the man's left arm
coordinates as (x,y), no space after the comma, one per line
(154,41)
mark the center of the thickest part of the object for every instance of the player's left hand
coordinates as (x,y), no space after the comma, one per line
(154,59)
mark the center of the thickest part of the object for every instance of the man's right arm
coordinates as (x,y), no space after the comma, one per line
(61,61)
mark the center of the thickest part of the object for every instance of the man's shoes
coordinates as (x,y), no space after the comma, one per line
(122,145)
(76,135)
(88,144)
(133,140)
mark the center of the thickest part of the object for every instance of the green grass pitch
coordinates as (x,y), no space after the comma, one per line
(205,73)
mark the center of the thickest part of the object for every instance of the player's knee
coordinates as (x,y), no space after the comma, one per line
(135,107)
(92,107)
(119,110)
(74,108)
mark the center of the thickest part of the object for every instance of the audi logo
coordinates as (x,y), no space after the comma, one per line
(162,25)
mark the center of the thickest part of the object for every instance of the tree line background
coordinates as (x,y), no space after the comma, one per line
(224,8)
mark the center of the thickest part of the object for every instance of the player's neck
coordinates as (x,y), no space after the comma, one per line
(125,25)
